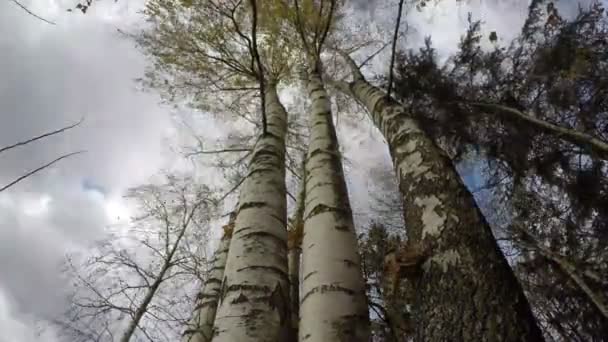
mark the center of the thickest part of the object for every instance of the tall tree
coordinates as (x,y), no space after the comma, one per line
(535,110)
(225,53)
(200,327)
(459,265)
(333,305)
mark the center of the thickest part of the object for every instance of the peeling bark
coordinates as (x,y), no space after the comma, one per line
(333,305)
(254,296)
(466,290)
(200,327)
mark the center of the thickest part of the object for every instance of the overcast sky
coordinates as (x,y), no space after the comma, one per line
(53,75)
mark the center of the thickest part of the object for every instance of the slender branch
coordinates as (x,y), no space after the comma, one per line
(228,150)
(42,136)
(256,55)
(373,55)
(38,169)
(579,138)
(390,71)
(32,13)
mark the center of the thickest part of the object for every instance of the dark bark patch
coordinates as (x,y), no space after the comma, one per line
(248,205)
(240,299)
(350,263)
(327,288)
(280,241)
(281,273)
(309,275)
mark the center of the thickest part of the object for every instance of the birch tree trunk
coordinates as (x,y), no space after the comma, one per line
(466,290)
(294,245)
(254,297)
(333,305)
(200,327)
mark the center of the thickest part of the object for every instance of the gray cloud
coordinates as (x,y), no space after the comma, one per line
(52,76)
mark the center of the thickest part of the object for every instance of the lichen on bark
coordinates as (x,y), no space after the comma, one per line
(467,291)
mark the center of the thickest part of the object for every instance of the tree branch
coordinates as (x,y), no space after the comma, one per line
(394,47)
(42,136)
(256,55)
(32,13)
(38,169)
(578,138)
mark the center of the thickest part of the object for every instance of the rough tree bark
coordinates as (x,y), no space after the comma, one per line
(333,305)
(465,289)
(254,297)
(200,327)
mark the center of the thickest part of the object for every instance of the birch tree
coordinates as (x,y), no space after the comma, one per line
(138,275)
(200,326)
(233,50)
(333,305)
(461,265)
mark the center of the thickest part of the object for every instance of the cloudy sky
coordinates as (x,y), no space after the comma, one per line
(53,75)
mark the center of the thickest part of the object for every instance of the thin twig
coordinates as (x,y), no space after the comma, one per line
(362,64)
(21,143)
(38,169)
(390,71)
(32,13)
(228,150)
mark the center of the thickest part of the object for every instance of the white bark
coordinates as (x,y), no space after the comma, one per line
(254,303)
(333,305)
(200,327)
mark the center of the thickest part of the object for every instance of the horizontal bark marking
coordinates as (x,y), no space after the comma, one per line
(281,219)
(212,302)
(331,151)
(252,204)
(309,275)
(266,153)
(273,269)
(317,89)
(282,242)
(260,169)
(350,263)
(322,208)
(269,134)
(327,288)
(320,184)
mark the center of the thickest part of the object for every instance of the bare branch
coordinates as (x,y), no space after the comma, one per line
(42,136)
(392,65)
(38,170)
(32,13)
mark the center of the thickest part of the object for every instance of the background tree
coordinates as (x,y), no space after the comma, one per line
(144,295)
